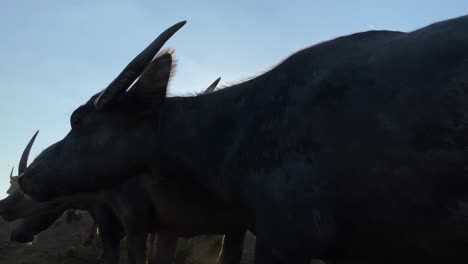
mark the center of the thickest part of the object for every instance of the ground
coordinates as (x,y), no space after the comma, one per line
(63,244)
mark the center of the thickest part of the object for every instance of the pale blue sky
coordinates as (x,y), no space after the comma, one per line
(56,54)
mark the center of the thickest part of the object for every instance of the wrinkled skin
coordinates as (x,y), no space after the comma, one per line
(352,149)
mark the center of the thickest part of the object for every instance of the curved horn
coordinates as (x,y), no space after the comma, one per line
(135,68)
(212,87)
(23,164)
(11,173)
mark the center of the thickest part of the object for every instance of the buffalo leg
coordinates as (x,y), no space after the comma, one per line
(221,251)
(136,243)
(232,247)
(110,237)
(166,246)
(110,232)
(150,244)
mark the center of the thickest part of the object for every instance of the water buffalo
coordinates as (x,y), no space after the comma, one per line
(36,217)
(28,228)
(144,205)
(354,148)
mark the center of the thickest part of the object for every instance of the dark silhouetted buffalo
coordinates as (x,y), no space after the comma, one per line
(356,147)
(144,205)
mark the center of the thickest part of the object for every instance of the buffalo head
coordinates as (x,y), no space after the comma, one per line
(112,136)
(16,205)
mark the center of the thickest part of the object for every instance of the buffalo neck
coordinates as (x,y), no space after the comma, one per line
(196,133)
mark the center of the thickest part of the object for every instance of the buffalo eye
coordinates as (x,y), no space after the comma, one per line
(75,121)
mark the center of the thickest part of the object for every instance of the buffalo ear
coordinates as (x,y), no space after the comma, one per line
(149,92)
